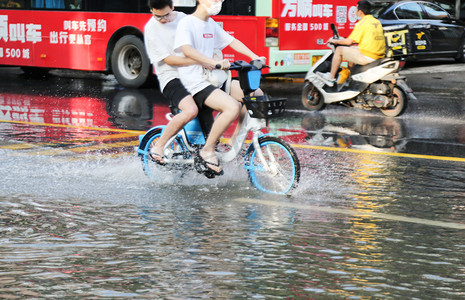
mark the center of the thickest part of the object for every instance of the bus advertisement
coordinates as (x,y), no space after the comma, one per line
(107,36)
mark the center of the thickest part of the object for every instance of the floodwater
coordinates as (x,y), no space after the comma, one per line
(378,213)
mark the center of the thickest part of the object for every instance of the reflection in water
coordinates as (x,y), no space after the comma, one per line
(134,108)
(384,134)
(82,106)
(378,134)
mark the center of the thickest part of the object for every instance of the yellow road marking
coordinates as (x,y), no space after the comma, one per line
(353,212)
(87,148)
(104,146)
(17,146)
(109,137)
(137,132)
(73,126)
(407,155)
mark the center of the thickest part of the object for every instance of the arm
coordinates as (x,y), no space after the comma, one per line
(179,61)
(192,53)
(243,49)
(344,42)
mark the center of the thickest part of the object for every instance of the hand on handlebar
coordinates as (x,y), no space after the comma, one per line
(223,64)
(208,66)
(331,41)
(263,59)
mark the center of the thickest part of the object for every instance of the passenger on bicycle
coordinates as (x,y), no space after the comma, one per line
(159,39)
(197,37)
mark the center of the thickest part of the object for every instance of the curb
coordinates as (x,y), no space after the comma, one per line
(284,79)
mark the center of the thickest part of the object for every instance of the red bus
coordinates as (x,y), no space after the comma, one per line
(107,35)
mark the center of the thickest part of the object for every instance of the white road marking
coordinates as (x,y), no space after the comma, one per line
(353,212)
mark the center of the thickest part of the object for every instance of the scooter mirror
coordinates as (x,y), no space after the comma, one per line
(335,32)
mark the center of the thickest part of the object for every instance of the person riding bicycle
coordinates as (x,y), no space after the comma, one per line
(368,34)
(197,37)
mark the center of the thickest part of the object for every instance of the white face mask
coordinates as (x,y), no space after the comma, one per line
(214,9)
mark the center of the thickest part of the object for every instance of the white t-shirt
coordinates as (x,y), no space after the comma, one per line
(159,40)
(204,37)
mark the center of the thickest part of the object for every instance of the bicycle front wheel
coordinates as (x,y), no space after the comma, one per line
(279,171)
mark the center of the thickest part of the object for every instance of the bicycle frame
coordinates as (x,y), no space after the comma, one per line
(248,124)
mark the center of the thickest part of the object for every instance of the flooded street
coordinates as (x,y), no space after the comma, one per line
(379,211)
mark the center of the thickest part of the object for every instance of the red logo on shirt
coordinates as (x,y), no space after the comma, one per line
(207,36)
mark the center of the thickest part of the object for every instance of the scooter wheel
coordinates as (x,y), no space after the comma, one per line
(399,104)
(312,99)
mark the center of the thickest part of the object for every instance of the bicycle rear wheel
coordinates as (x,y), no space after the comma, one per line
(284,167)
(151,168)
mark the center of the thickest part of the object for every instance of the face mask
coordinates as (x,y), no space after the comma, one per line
(214,9)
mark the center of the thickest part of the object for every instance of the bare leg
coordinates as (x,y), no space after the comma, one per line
(229,110)
(336,62)
(188,112)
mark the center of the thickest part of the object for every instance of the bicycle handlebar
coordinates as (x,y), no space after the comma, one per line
(237,65)
(240,64)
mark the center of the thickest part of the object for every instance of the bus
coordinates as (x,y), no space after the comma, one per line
(107,35)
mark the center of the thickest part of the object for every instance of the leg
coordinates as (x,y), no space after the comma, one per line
(188,112)
(354,56)
(336,62)
(229,110)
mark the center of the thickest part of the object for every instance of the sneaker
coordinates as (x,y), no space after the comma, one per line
(327,78)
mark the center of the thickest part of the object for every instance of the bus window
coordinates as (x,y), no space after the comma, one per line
(12,3)
(120,6)
(185,3)
(74,4)
(238,8)
(53,4)
(144,6)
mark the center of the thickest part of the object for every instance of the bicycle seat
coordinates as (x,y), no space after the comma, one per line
(362,68)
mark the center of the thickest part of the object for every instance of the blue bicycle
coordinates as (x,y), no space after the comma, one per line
(272,164)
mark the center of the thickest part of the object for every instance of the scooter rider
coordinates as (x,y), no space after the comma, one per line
(368,34)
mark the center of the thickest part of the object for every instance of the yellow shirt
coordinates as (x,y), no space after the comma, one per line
(368,34)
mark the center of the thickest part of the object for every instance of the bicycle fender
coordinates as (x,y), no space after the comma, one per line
(143,138)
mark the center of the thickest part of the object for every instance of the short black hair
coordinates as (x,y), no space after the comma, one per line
(159,4)
(364,6)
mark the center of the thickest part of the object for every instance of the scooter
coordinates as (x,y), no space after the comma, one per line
(375,85)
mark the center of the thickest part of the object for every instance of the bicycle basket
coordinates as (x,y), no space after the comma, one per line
(264,107)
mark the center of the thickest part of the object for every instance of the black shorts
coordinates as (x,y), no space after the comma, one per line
(174,91)
(201,96)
